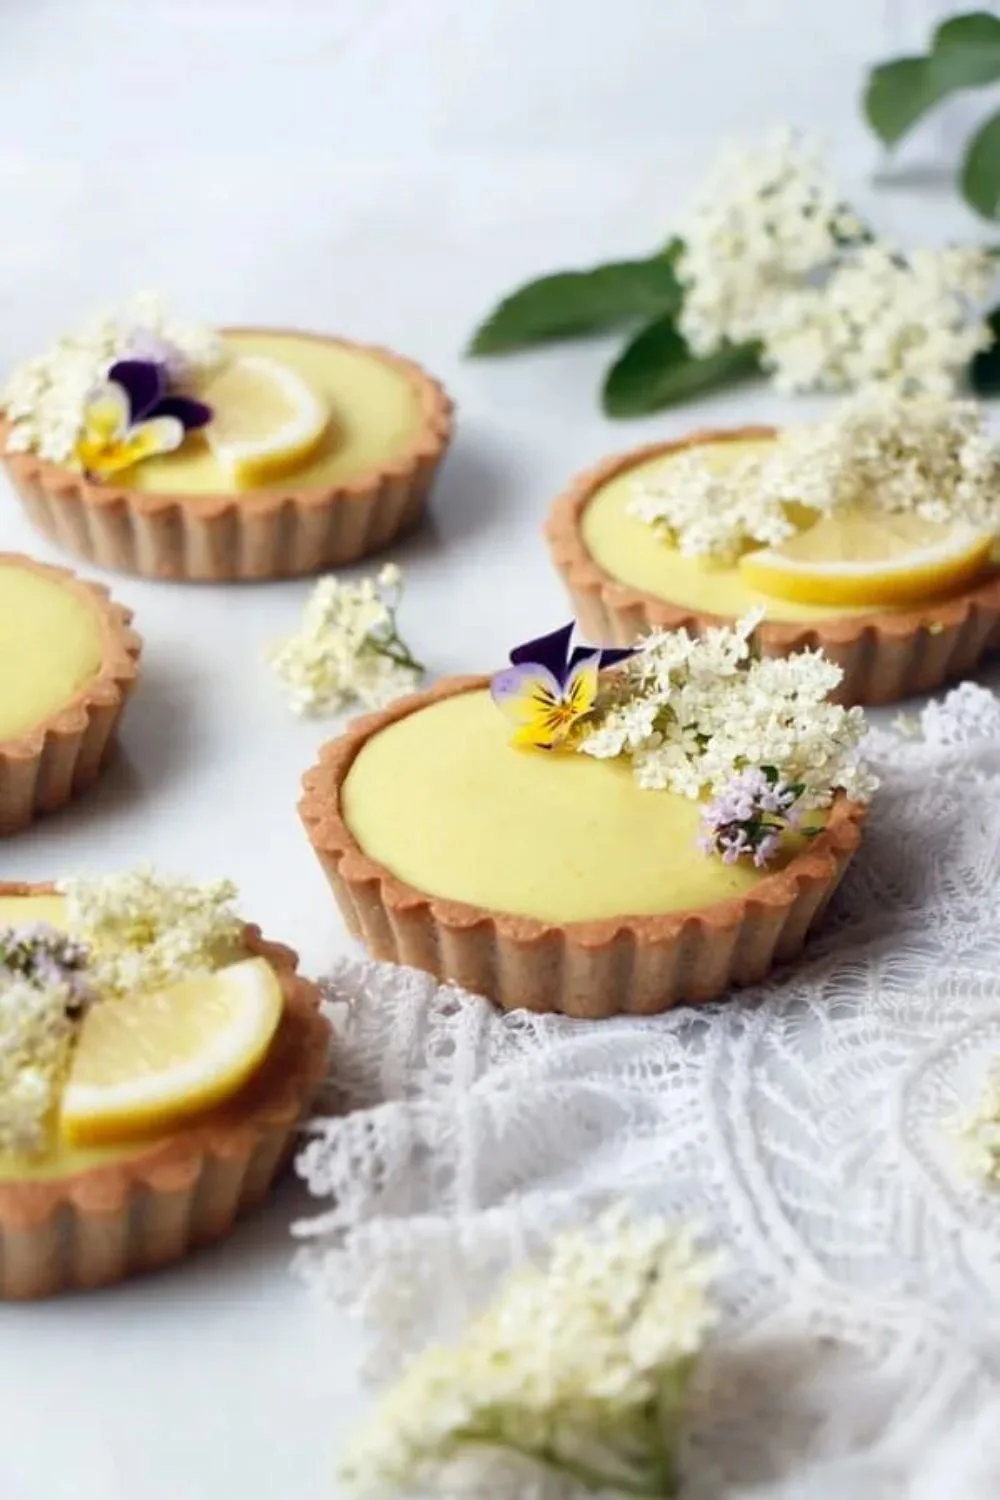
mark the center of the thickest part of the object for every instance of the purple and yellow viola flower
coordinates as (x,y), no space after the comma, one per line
(548,688)
(132,416)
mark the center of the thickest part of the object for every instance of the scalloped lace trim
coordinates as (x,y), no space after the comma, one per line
(802,1126)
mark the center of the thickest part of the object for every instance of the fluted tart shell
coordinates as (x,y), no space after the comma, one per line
(636,965)
(284,531)
(181,1190)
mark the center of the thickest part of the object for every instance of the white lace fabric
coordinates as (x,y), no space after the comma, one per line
(802,1124)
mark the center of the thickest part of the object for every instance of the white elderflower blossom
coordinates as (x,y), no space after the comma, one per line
(582,1367)
(348,648)
(766,217)
(912,322)
(977,1132)
(773,257)
(44,398)
(920,455)
(717,709)
(36,1032)
(144,931)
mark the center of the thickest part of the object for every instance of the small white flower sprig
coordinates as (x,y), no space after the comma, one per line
(773,257)
(694,715)
(44,988)
(581,1368)
(45,398)
(977,1132)
(925,456)
(145,931)
(348,649)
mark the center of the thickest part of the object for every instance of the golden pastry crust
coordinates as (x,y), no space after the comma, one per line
(62,755)
(884,656)
(183,1190)
(281,532)
(638,965)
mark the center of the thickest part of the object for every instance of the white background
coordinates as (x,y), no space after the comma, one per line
(382,169)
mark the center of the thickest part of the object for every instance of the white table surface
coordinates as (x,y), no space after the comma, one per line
(384,169)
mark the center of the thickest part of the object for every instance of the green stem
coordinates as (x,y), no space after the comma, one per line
(394,649)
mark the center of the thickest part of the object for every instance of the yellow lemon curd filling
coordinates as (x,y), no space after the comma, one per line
(61,1160)
(375,407)
(630,550)
(50,648)
(445,802)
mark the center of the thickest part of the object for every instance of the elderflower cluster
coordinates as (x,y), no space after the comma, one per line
(36,1032)
(581,1367)
(920,455)
(145,931)
(909,321)
(773,257)
(764,219)
(348,648)
(691,713)
(977,1133)
(45,397)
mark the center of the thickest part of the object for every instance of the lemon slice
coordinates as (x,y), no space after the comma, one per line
(869,557)
(266,420)
(149,1061)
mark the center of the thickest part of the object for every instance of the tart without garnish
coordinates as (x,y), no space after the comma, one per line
(180,452)
(156,1056)
(872,535)
(68,662)
(660,825)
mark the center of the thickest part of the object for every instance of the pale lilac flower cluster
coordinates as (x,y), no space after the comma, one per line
(748,817)
(47,958)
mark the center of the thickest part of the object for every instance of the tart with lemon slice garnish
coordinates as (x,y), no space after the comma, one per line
(68,663)
(585,833)
(181,452)
(871,535)
(156,1057)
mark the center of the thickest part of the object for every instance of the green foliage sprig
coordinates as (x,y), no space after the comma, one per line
(964,54)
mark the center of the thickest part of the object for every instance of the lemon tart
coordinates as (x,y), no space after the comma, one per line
(546,879)
(175,1111)
(900,603)
(244,453)
(68,662)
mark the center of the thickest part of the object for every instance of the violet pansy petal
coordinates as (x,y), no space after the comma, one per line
(144,381)
(190,413)
(612,655)
(515,690)
(548,651)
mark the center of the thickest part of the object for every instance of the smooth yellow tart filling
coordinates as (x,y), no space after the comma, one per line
(50,648)
(374,406)
(630,550)
(445,802)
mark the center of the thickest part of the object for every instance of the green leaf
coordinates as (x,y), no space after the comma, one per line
(966,52)
(984,371)
(897,94)
(575,302)
(657,369)
(981,169)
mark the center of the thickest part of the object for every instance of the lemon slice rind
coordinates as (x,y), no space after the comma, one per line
(300,419)
(904,575)
(235,1011)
